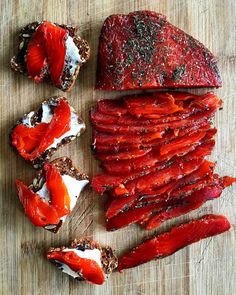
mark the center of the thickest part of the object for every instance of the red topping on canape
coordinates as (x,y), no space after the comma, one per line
(40,211)
(31,142)
(47,51)
(87,268)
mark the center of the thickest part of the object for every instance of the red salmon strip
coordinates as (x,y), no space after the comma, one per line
(177,238)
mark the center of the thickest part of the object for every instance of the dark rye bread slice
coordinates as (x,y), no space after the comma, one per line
(108,258)
(36,119)
(18,62)
(64,166)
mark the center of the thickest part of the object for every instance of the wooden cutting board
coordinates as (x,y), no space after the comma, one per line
(207,267)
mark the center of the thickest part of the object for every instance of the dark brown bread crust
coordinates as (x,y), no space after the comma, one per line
(36,118)
(18,62)
(65,166)
(108,258)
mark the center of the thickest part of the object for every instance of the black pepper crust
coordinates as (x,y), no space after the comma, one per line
(108,258)
(36,119)
(18,62)
(64,166)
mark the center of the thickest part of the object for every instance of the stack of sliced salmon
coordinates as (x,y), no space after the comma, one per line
(152,148)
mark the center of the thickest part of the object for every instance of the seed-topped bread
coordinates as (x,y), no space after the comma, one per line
(53,194)
(50,52)
(87,249)
(38,134)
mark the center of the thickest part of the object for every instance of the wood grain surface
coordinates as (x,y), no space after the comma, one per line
(208,267)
